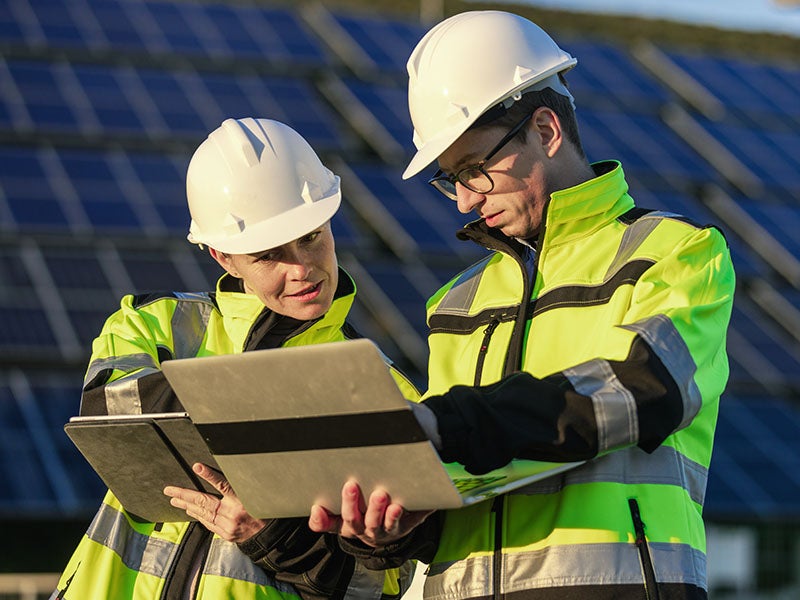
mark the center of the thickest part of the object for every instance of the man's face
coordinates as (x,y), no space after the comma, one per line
(297,279)
(522,181)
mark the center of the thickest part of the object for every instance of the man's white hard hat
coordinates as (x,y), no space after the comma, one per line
(255,184)
(469,63)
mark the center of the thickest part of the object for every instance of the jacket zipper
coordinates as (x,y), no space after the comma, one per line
(194,546)
(497,558)
(648,572)
(487,336)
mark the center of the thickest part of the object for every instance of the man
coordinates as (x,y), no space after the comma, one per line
(262,201)
(594,331)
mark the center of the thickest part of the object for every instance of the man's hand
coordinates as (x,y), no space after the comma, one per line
(224,516)
(427,419)
(375,524)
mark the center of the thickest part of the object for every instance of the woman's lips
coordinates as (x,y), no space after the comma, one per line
(308,293)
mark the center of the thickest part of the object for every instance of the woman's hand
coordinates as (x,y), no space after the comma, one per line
(224,516)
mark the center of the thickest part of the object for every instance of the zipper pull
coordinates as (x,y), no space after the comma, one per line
(487,334)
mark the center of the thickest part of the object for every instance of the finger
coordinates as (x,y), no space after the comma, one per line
(321,520)
(392,517)
(375,516)
(213,477)
(184,494)
(353,507)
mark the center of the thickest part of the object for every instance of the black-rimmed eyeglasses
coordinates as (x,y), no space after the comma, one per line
(474,177)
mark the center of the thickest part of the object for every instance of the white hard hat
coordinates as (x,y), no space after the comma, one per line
(469,63)
(255,184)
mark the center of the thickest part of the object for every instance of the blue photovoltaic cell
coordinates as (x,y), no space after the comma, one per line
(178,111)
(749,86)
(426,215)
(772,156)
(632,137)
(44,100)
(105,89)
(389,105)
(163,176)
(606,76)
(25,327)
(755,468)
(387,42)
(31,200)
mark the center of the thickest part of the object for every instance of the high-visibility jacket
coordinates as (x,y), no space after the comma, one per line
(605,342)
(122,558)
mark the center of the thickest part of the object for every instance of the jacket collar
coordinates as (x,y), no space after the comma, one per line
(235,304)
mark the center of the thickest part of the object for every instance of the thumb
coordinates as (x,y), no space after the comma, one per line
(214,477)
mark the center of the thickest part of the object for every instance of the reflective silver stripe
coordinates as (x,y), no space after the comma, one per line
(189,324)
(614,405)
(138,551)
(632,238)
(128,363)
(563,566)
(122,395)
(461,294)
(365,584)
(665,466)
(664,339)
(226,560)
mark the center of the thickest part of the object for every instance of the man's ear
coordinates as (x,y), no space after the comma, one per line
(548,126)
(224,261)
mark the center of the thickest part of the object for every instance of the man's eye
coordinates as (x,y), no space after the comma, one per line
(470,174)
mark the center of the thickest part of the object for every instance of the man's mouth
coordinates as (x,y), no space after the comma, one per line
(491,220)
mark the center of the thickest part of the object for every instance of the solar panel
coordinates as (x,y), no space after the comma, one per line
(270,35)
(29,198)
(755,467)
(39,101)
(644,144)
(606,77)
(772,156)
(389,105)
(387,42)
(426,216)
(746,85)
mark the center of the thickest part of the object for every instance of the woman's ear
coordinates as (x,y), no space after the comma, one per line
(224,261)
(548,126)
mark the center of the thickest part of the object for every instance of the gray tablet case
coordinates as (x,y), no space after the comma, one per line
(136,456)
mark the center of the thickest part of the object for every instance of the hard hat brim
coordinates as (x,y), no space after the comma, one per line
(276,231)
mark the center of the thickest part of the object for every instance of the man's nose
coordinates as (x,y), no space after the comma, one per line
(466,199)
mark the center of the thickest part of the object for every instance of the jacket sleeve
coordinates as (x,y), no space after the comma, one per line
(312,562)
(124,374)
(420,544)
(675,330)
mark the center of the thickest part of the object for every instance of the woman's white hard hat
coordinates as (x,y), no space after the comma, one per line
(256,184)
(469,63)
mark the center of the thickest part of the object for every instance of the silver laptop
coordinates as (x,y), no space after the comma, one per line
(289,426)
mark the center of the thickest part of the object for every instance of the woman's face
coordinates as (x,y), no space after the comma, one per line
(297,279)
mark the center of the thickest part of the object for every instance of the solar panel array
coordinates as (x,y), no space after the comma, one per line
(103,101)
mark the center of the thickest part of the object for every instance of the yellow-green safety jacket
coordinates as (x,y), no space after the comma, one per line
(604,342)
(121,557)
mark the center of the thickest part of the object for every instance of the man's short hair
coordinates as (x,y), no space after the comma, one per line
(530,101)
